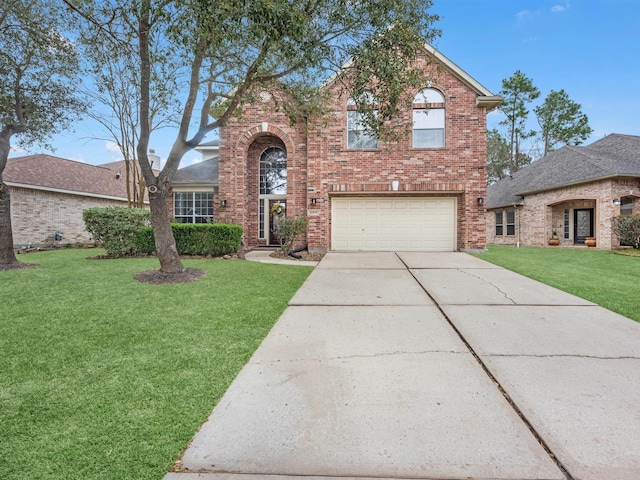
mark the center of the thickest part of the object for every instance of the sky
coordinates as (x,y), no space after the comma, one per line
(589,48)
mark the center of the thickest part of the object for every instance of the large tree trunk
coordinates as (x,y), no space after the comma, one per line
(165,244)
(7,255)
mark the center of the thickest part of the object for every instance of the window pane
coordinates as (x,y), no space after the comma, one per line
(193,207)
(261,219)
(273,172)
(498,223)
(356,135)
(429,95)
(566,223)
(428,128)
(428,138)
(626,206)
(511,221)
(428,118)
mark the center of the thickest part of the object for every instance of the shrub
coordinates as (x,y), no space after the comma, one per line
(116,227)
(289,231)
(627,228)
(196,238)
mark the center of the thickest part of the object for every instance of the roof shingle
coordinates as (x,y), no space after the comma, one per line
(614,155)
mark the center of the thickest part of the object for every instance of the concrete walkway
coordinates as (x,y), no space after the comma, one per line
(430,366)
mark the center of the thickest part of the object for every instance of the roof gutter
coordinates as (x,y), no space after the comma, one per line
(490,102)
(67,192)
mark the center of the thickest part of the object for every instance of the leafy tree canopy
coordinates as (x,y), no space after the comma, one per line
(561,121)
(218,52)
(39,68)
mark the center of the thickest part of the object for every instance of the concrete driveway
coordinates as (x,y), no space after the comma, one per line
(432,366)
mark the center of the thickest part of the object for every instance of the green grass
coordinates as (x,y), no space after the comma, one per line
(600,276)
(102,377)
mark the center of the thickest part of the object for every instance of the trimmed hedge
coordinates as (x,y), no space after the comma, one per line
(116,228)
(196,238)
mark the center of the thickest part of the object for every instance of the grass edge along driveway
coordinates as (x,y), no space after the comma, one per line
(103,377)
(600,276)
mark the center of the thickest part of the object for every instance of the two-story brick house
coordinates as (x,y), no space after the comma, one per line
(424,191)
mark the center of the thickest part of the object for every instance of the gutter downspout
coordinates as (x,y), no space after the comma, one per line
(515,206)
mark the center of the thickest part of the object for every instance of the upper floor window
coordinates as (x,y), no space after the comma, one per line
(428,119)
(273,172)
(357,135)
(193,207)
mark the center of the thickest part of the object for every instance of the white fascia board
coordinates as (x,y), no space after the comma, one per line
(460,73)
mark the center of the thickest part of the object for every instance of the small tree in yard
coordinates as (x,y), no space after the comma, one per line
(222,51)
(289,231)
(38,97)
(627,228)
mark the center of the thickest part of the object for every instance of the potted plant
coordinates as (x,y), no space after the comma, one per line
(590,241)
(554,240)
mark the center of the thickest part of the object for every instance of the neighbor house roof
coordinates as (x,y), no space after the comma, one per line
(46,172)
(201,173)
(613,156)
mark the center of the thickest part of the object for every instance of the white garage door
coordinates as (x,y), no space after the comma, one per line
(393,224)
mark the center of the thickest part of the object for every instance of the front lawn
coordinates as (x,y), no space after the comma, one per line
(103,377)
(610,280)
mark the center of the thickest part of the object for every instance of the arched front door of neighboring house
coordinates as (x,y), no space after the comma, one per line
(273,192)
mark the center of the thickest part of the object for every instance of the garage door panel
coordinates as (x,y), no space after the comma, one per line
(388,224)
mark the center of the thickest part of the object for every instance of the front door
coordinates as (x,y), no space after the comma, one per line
(274,216)
(583,224)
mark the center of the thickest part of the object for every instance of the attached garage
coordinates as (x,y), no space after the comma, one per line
(393,224)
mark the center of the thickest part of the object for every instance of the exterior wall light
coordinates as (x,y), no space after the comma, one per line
(616,202)
(314,201)
(480,200)
(223,203)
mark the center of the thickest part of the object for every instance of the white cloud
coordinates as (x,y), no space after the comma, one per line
(558,8)
(113,149)
(523,15)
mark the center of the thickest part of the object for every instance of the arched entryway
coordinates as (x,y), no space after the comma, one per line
(272,197)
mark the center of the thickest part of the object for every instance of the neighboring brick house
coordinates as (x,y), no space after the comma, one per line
(423,192)
(48,195)
(574,191)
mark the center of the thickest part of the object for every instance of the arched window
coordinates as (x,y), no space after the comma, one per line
(273,172)
(357,135)
(428,119)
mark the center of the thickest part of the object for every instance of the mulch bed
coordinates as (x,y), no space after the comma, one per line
(313,257)
(17,266)
(156,277)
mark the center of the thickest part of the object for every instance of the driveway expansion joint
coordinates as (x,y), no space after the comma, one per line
(556,355)
(492,377)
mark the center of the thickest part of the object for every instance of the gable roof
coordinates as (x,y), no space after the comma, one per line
(201,173)
(484,96)
(46,172)
(613,156)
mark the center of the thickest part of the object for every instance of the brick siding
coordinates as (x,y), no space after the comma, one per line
(542,212)
(321,167)
(36,214)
